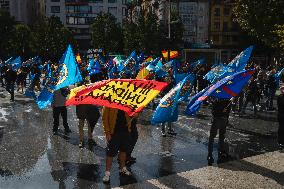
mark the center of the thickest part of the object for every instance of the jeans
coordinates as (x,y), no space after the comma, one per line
(133,137)
(270,97)
(10,88)
(57,111)
(219,123)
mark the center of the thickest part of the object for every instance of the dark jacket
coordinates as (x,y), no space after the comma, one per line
(280,105)
(221,108)
(87,111)
(11,76)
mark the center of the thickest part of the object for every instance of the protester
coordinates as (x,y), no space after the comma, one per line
(133,139)
(220,111)
(272,87)
(251,95)
(91,114)
(170,129)
(280,105)
(117,129)
(11,77)
(59,108)
(21,80)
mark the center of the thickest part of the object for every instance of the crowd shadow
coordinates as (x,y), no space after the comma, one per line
(242,165)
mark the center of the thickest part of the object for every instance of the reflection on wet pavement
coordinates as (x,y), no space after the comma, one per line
(32,156)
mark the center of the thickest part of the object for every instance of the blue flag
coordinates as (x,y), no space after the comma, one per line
(239,62)
(226,88)
(69,72)
(30,93)
(132,58)
(94,67)
(16,63)
(193,65)
(113,72)
(167,110)
(194,98)
(45,97)
(152,65)
(215,73)
(9,60)
(179,76)
(278,76)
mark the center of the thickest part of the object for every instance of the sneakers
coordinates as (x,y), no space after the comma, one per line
(106,178)
(124,172)
(172,132)
(68,131)
(130,161)
(91,141)
(210,160)
(81,144)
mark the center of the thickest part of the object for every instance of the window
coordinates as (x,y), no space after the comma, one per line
(215,38)
(77,20)
(112,1)
(97,10)
(124,2)
(225,26)
(217,12)
(55,9)
(124,12)
(217,25)
(112,10)
(70,20)
(226,11)
(84,9)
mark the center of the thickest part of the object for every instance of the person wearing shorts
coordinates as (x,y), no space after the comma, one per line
(117,129)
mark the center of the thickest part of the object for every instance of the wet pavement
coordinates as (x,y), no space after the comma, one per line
(32,157)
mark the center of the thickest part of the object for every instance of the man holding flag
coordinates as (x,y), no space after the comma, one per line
(11,77)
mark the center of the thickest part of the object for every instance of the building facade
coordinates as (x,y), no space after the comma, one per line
(194,15)
(25,11)
(77,15)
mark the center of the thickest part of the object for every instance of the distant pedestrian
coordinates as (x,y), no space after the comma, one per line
(220,111)
(91,114)
(251,95)
(59,108)
(11,77)
(117,128)
(280,104)
(272,87)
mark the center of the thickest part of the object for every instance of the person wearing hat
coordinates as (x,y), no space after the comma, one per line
(280,105)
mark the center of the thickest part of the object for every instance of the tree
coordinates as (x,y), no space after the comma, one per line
(131,38)
(50,38)
(107,33)
(260,19)
(19,42)
(6,27)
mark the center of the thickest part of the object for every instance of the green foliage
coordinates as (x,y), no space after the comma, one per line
(19,42)
(149,35)
(50,38)
(259,18)
(6,27)
(47,38)
(279,32)
(107,33)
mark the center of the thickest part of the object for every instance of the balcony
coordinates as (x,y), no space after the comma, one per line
(77,2)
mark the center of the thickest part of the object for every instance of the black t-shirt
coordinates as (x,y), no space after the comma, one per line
(121,123)
(280,104)
(221,108)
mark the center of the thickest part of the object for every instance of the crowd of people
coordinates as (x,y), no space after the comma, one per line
(120,129)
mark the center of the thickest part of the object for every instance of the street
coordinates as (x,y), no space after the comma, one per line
(32,157)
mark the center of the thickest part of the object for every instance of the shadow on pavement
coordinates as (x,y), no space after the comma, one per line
(243,165)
